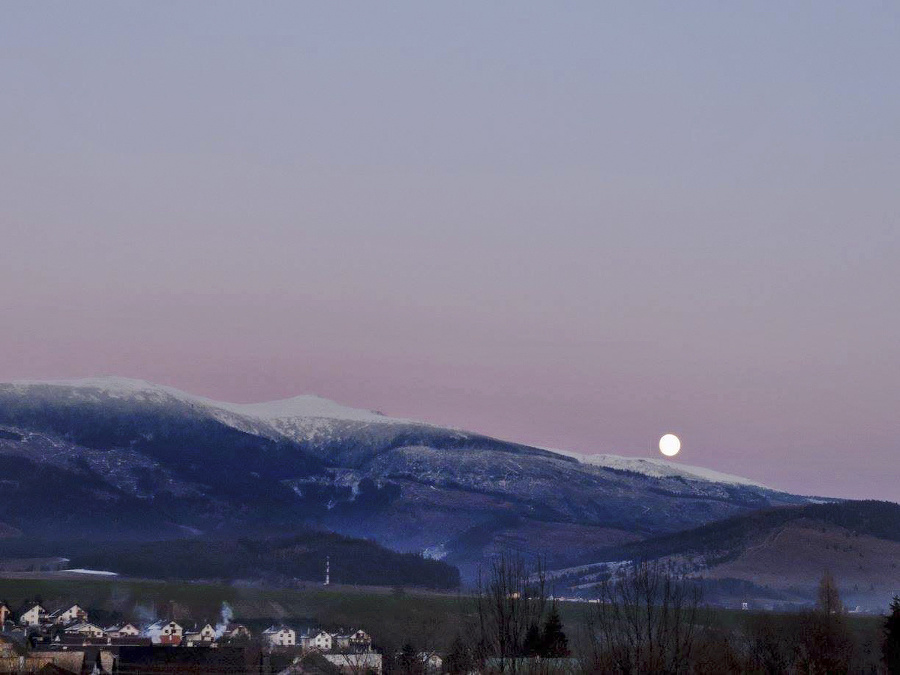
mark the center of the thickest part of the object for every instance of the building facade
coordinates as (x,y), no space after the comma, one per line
(280,636)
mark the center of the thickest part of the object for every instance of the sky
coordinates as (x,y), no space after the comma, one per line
(576,225)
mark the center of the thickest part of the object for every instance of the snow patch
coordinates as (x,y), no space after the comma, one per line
(99,573)
(659,468)
(438,552)
(303,406)
(190,530)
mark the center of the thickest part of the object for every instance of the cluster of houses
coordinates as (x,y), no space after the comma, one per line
(73,621)
(71,624)
(356,642)
(55,636)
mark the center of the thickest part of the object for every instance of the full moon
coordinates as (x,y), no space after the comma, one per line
(669,445)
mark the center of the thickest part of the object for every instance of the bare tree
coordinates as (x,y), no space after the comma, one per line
(771,642)
(358,663)
(510,598)
(829,598)
(645,621)
(825,642)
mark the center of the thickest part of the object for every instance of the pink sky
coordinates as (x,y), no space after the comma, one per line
(574,228)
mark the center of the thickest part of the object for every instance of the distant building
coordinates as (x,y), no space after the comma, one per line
(127,630)
(317,640)
(204,636)
(357,642)
(63,617)
(85,630)
(280,636)
(165,633)
(236,631)
(33,615)
(5,613)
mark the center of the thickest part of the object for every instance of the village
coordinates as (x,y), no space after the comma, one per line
(66,640)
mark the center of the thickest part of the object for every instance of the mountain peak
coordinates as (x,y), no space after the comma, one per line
(305,405)
(301,406)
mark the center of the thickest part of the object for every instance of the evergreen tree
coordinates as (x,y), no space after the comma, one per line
(890,648)
(555,643)
(534,642)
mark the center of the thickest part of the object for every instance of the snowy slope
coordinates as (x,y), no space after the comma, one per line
(229,467)
(660,468)
(134,389)
(310,417)
(298,419)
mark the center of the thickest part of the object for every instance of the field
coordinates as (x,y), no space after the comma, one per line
(393,616)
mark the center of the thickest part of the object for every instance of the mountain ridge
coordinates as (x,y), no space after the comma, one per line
(316,407)
(774,554)
(204,466)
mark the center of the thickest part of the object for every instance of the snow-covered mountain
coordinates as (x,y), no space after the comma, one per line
(123,388)
(307,418)
(128,447)
(293,419)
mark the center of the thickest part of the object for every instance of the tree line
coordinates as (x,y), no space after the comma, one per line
(647,618)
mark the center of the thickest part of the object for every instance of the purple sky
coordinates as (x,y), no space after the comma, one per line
(576,225)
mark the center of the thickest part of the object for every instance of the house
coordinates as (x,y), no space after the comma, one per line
(127,630)
(204,636)
(280,636)
(356,642)
(236,631)
(165,633)
(318,640)
(5,613)
(85,630)
(63,617)
(431,662)
(33,615)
